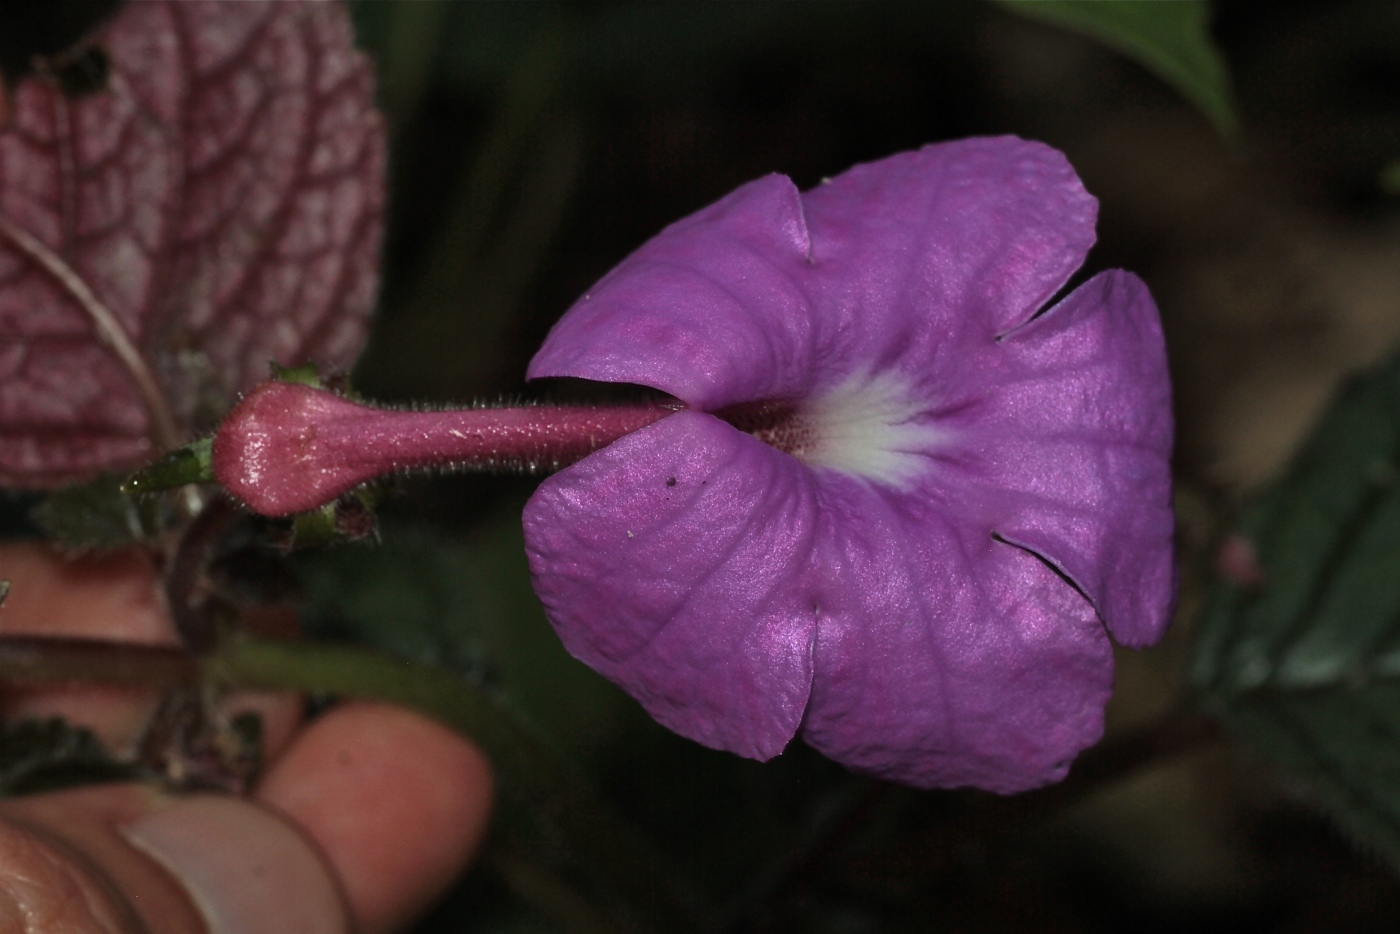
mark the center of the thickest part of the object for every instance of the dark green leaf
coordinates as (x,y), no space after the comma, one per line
(1300,651)
(97,515)
(1390,178)
(1170,38)
(46,755)
(464,602)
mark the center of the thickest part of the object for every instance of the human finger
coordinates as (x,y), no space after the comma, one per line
(397,802)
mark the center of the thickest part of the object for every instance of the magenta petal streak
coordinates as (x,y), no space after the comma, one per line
(919,584)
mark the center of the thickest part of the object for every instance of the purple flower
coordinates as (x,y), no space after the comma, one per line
(946,493)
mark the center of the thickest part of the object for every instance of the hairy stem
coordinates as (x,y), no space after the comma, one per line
(290,448)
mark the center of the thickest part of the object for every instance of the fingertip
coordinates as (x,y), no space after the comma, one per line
(41,890)
(397,802)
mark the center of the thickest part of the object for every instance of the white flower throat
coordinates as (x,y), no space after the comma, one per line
(870,426)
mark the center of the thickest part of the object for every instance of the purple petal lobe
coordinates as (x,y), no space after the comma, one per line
(1074,436)
(923,251)
(665,561)
(944,657)
(709,310)
(907,260)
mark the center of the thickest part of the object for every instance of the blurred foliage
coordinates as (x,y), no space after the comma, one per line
(1299,651)
(1390,178)
(97,515)
(464,602)
(1170,38)
(50,755)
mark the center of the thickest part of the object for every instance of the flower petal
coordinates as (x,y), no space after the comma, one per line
(709,310)
(922,252)
(1072,430)
(663,562)
(944,657)
(907,258)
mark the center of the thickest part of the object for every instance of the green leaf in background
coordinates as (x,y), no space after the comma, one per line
(1390,178)
(97,515)
(1170,38)
(463,602)
(1300,652)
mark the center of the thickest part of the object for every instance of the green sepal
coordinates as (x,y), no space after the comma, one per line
(193,463)
(303,375)
(315,528)
(349,519)
(307,374)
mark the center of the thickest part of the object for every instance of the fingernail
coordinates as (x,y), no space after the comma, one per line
(247,871)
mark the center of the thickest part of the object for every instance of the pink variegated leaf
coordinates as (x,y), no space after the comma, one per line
(216,206)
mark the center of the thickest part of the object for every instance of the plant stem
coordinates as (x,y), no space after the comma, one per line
(185,583)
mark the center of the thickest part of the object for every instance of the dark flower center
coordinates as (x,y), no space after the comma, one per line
(774,422)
